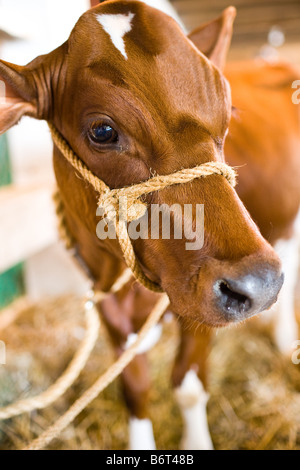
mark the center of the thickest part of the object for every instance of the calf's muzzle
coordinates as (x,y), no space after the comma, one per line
(245,296)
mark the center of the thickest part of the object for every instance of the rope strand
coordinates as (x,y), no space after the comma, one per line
(77,364)
(106,379)
(56,390)
(109,199)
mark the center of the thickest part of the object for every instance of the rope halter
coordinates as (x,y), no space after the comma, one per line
(109,199)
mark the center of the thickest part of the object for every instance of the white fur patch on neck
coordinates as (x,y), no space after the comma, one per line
(117,26)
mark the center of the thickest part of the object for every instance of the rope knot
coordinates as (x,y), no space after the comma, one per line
(123,205)
(117,204)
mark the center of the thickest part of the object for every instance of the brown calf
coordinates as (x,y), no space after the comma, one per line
(264,141)
(133,96)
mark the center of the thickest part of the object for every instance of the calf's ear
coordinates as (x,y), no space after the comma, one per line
(17,95)
(213,39)
(28,90)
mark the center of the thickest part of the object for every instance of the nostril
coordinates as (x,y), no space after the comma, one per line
(248,295)
(233,302)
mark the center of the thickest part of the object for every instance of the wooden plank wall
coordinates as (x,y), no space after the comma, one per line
(254,20)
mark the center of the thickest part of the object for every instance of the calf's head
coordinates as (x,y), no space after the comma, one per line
(134,96)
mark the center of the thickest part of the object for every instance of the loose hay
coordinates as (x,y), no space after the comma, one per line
(255,400)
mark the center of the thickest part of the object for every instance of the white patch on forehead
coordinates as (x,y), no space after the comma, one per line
(117,26)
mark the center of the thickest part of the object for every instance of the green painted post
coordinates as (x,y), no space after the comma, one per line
(5,169)
(12,281)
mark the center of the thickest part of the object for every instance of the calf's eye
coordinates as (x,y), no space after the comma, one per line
(101,132)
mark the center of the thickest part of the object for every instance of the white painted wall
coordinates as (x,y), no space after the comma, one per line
(53,272)
(166,7)
(40,26)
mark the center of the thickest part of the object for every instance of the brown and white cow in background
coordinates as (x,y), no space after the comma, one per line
(264,140)
(133,95)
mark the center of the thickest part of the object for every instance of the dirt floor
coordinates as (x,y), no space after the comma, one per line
(254,404)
